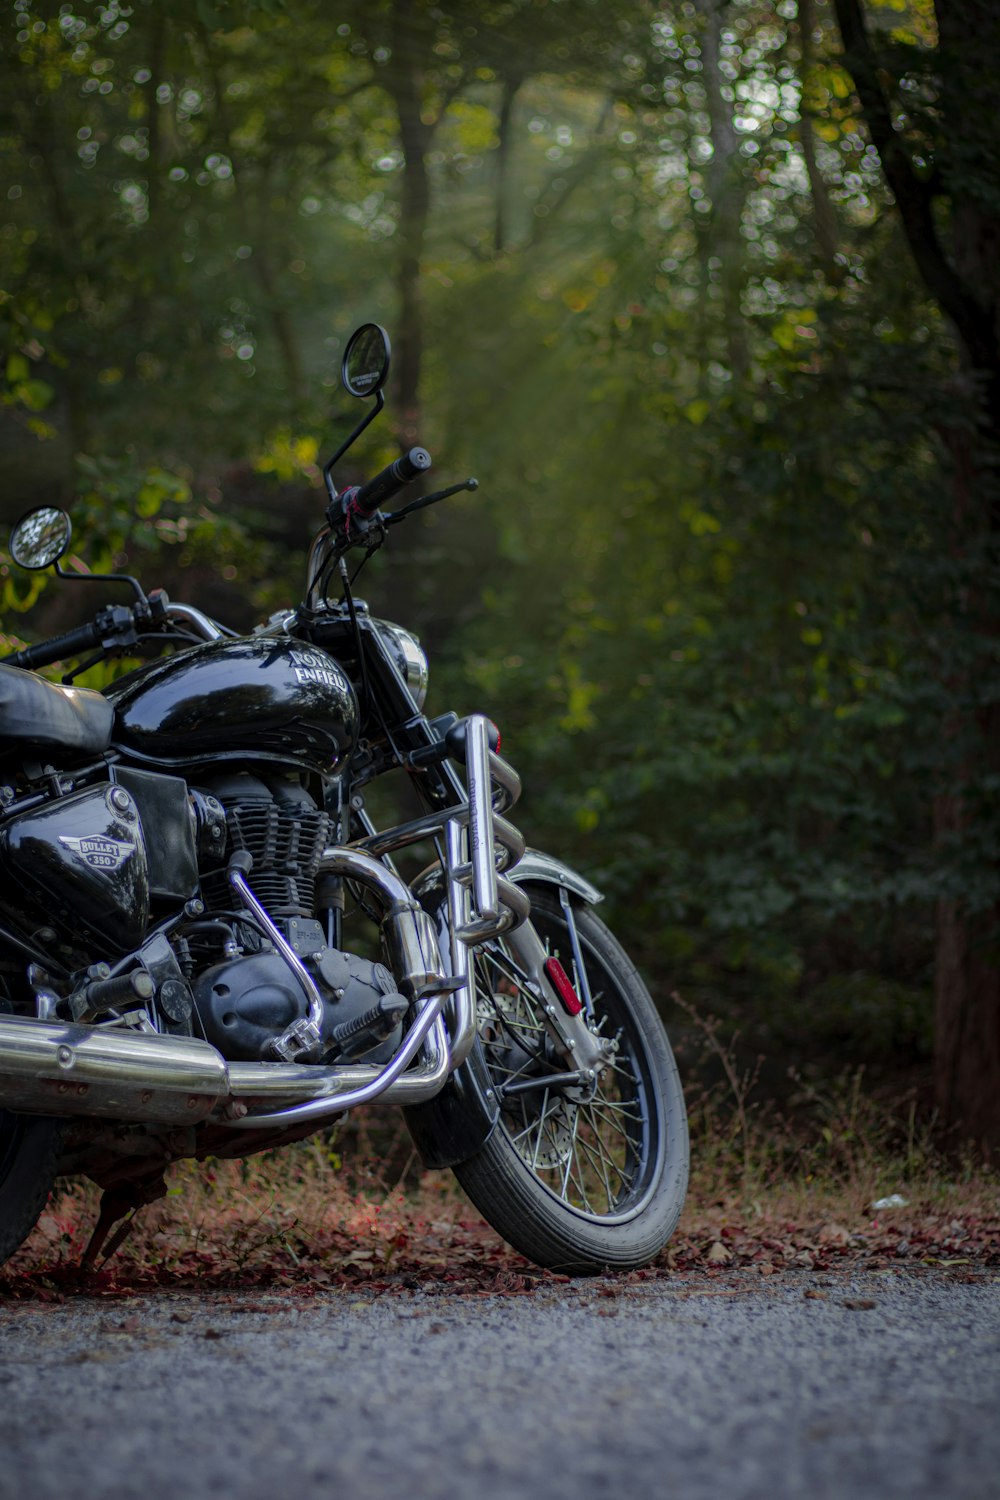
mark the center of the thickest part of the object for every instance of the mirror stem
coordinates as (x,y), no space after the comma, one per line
(331,488)
(104,578)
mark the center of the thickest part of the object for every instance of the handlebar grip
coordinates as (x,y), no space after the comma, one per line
(70,644)
(376,491)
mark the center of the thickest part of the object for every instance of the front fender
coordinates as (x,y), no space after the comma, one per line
(459,1120)
(533,868)
(536,868)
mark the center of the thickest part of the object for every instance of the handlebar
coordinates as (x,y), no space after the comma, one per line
(376,491)
(117,628)
(46,652)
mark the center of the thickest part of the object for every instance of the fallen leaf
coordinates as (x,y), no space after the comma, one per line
(718,1254)
(860,1304)
(815,1295)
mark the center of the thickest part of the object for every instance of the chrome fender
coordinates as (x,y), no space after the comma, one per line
(537,868)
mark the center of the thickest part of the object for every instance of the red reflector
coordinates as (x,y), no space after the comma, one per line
(561,983)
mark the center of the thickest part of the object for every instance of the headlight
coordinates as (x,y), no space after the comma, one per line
(409,657)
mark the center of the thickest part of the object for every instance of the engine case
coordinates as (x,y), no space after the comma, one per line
(245,1003)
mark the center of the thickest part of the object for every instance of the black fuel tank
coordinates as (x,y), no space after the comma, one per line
(253,698)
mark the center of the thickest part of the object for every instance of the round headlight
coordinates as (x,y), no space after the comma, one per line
(409,658)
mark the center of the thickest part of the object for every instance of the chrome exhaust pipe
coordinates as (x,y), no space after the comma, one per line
(55,1068)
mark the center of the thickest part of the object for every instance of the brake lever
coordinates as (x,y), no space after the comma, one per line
(118,627)
(400,515)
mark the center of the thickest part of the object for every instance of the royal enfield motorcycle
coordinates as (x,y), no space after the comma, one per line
(184,858)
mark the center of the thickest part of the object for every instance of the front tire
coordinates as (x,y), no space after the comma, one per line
(578,1181)
(29,1158)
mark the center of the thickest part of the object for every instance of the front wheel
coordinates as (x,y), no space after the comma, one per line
(578,1178)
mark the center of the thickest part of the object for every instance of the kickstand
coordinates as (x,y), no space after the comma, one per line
(119,1203)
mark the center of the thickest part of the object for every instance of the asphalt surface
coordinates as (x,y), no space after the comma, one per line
(877,1386)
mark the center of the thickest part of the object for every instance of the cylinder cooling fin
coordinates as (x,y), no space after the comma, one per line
(279,824)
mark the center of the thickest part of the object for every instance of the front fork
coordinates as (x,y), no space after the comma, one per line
(480,903)
(580,1047)
(454,1125)
(477,847)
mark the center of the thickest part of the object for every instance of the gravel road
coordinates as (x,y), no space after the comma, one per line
(876,1386)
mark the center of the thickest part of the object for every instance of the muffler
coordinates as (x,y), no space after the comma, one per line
(55,1068)
(59,1068)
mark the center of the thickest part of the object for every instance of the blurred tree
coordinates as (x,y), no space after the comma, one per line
(927,89)
(646,277)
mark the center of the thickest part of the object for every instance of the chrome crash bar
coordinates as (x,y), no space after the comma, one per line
(479,845)
(412,951)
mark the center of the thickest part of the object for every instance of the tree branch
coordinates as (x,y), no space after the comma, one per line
(914,197)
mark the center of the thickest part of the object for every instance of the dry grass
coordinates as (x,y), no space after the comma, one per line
(770,1191)
(291,1220)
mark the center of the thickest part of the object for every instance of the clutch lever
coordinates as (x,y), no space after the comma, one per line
(425,500)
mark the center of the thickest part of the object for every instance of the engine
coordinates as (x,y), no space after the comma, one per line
(103,871)
(248,996)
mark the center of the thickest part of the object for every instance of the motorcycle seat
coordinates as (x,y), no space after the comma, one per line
(36,714)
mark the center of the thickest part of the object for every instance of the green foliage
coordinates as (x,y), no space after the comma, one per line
(710,586)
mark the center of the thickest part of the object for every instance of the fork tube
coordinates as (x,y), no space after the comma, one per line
(463,1004)
(583,983)
(481,852)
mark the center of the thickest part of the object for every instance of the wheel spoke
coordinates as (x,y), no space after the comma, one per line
(591,1153)
(601,1161)
(615,1068)
(606,1106)
(596,1160)
(571,1154)
(603,1148)
(581,1186)
(541,1124)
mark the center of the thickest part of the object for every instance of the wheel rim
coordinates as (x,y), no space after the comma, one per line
(599,1151)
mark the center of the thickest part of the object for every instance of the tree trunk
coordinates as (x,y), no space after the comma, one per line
(824,218)
(965,280)
(510,86)
(256,228)
(966,1012)
(404,82)
(727,186)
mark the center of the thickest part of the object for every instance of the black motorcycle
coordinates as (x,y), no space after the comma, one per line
(185,858)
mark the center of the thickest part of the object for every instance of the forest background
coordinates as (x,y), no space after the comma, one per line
(705,294)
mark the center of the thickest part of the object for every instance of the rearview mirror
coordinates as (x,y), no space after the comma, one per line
(40,537)
(366,360)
